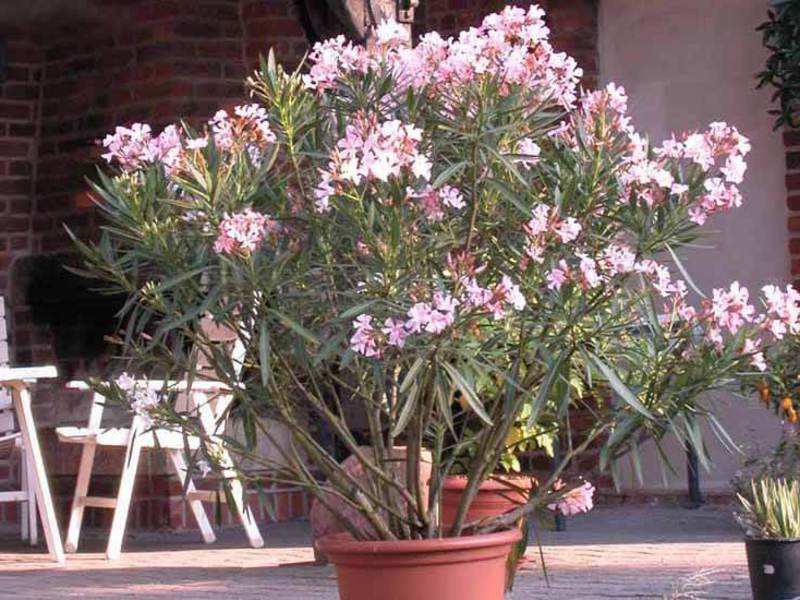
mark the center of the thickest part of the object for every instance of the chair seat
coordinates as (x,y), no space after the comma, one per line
(172,440)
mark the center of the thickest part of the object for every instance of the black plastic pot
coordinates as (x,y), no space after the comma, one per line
(774,569)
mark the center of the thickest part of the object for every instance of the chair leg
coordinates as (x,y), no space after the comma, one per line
(129,468)
(32,513)
(241,504)
(199,511)
(81,491)
(44,501)
(24,506)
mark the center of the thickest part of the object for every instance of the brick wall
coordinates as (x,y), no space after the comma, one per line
(74,77)
(68,83)
(19,111)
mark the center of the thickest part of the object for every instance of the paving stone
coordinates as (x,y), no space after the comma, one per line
(621,553)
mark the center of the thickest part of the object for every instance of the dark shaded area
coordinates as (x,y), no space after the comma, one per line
(78,316)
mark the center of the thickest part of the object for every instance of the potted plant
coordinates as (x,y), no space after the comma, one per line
(506,488)
(770,515)
(416,247)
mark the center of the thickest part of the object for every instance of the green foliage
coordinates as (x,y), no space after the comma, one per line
(771,509)
(470,394)
(781,36)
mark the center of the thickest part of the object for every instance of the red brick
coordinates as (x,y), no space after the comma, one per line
(791,137)
(12,110)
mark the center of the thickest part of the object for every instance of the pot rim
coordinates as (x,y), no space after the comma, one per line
(765,540)
(505,483)
(345,544)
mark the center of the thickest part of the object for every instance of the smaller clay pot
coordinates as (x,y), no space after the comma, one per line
(462,568)
(496,496)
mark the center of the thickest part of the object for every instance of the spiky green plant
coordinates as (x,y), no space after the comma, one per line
(771,509)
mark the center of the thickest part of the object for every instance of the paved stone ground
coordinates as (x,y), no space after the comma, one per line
(621,553)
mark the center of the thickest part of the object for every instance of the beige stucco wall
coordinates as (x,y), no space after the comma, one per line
(684,64)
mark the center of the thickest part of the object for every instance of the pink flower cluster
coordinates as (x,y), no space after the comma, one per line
(248,125)
(512,46)
(546,225)
(142,398)
(243,232)
(578,500)
(783,310)
(134,147)
(436,316)
(434,200)
(371,151)
(653,180)
(494,300)
(433,317)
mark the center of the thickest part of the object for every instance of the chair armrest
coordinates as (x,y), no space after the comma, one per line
(198,385)
(26,374)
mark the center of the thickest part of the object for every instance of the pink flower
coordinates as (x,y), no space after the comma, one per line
(395,332)
(558,276)
(332,59)
(577,500)
(540,221)
(734,169)
(752,347)
(451,197)
(432,200)
(373,151)
(419,315)
(697,215)
(134,147)
(363,339)
(698,149)
(588,269)
(242,232)
(783,310)
(476,295)
(568,230)
(443,314)
(618,259)
(730,309)
(513,295)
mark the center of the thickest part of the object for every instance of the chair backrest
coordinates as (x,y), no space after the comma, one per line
(229,340)
(8,424)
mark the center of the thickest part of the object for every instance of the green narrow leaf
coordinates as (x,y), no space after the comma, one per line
(448,173)
(356,310)
(544,389)
(684,272)
(469,393)
(296,327)
(619,386)
(412,374)
(406,411)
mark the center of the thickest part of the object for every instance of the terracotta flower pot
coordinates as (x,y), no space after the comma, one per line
(463,568)
(495,496)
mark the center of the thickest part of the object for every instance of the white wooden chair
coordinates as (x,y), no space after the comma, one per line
(210,400)
(35,488)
